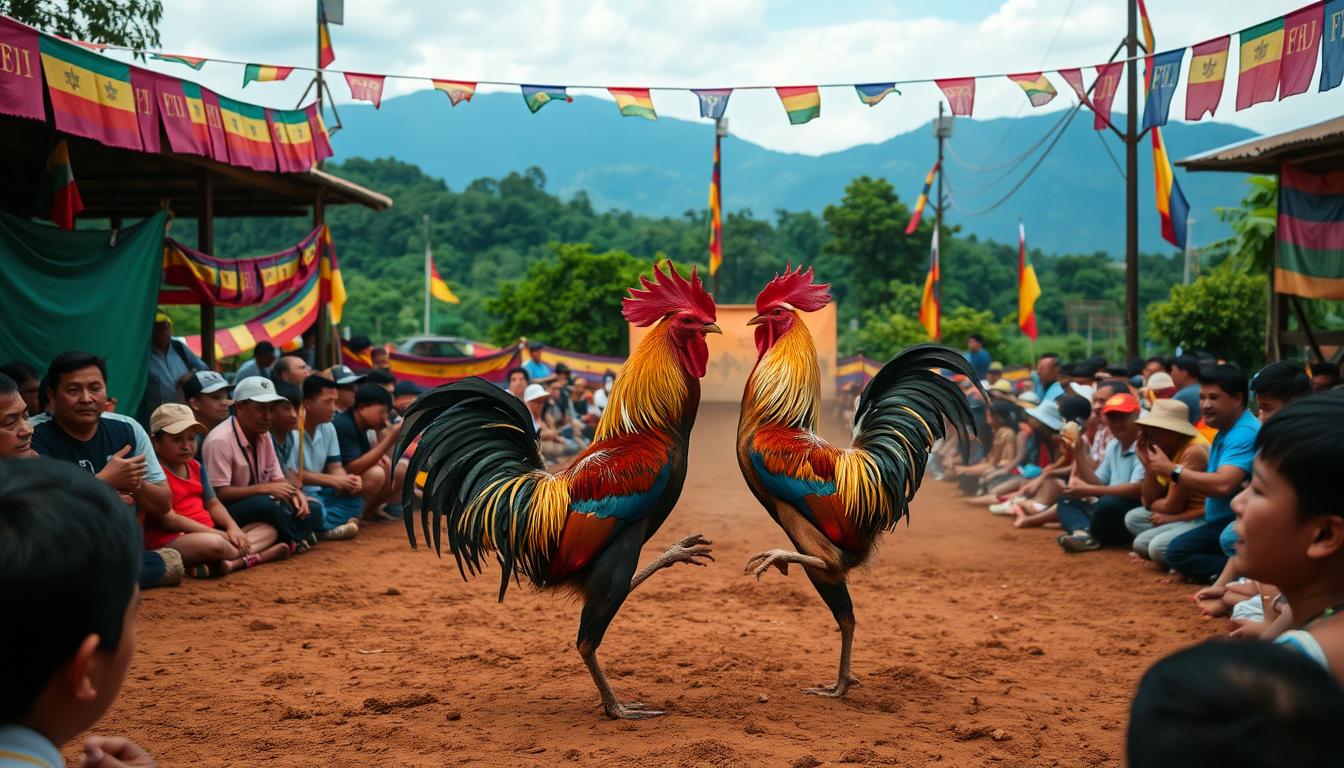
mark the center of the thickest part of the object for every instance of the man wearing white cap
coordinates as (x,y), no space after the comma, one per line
(552,446)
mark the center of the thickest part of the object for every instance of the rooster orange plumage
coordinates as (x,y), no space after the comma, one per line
(834,502)
(582,527)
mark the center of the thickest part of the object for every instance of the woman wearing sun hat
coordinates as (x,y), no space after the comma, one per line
(1169,509)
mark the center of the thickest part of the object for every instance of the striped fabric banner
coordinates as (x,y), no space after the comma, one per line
(279,325)
(264,73)
(91,95)
(1311,234)
(193,277)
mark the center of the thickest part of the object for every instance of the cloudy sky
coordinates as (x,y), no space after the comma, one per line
(719,43)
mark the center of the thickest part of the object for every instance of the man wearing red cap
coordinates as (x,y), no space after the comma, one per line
(1115,483)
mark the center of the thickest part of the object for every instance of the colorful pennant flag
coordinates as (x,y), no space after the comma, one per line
(713,101)
(930,313)
(214,124)
(1172,207)
(1038,89)
(1160,72)
(183,120)
(922,201)
(325,53)
(293,140)
(1310,233)
(365,87)
(333,284)
(91,95)
(21,75)
(1103,93)
(1028,288)
(57,194)
(960,93)
(1332,46)
(248,135)
(1161,75)
(715,213)
(456,90)
(1204,83)
(1260,54)
(802,103)
(190,61)
(1074,77)
(873,93)
(321,142)
(438,288)
(538,96)
(634,102)
(1301,45)
(147,107)
(264,73)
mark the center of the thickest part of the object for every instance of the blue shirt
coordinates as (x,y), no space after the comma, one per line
(165,369)
(1052,392)
(536,369)
(20,746)
(1190,396)
(1120,465)
(979,361)
(1234,446)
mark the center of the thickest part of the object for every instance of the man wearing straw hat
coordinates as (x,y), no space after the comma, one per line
(1168,509)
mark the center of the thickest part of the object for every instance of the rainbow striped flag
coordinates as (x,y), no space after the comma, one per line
(922,201)
(1028,288)
(873,93)
(279,325)
(292,137)
(1310,262)
(538,96)
(325,53)
(1038,89)
(456,90)
(634,102)
(58,195)
(247,134)
(930,313)
(802,103)
(91,95)
(190,61)
(1260,55)
(264,73)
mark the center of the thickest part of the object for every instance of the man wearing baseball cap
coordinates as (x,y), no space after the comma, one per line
(346,382)
(209,396)
(1115,483)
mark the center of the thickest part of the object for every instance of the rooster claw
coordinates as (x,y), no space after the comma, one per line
(833,691)
(631,710)
(688,550)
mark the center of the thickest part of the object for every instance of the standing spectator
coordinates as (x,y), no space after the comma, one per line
(263,358)
(1169,509)
(170,363)
(1277,385)
(977,356)
(291,369)
(209,396)
(603,394)
(1047,377)
(518,381)
(537,371)
(16,435)
(404,394)
(346,381)
(1185,377)
(240,459)
(1222,396)
(324,475)
(380,358)
(30,386)
(1324,376)
(1115,482)
(1155,365)
(372,462)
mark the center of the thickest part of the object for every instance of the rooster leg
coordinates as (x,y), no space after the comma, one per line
(684,551)
(780,559)
(836,597)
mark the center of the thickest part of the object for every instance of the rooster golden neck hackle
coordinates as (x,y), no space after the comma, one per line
(582,527)
(832,502)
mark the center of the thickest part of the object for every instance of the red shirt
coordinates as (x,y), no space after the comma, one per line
(188,494)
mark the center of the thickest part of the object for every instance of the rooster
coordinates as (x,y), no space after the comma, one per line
(833,502)
(582,527)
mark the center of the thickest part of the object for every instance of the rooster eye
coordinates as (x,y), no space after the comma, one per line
(777,311)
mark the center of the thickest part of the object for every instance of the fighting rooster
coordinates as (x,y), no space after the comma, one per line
(833,502)
(581,528)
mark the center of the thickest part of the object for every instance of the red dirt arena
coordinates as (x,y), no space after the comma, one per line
(977,644)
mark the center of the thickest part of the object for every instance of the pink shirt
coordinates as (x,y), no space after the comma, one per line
(231,460)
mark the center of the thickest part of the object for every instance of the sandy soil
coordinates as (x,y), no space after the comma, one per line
(977,645)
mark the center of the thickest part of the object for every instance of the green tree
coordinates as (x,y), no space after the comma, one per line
(868,233)
(1222,312)
(130,23)
(961,322)
(1254,225)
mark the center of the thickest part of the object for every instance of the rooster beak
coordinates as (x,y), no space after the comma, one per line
(712,328)
(757,320)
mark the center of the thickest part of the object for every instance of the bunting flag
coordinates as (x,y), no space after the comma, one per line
(264,73)
(20,71)
(193,277)
(292,138)
(1161,75)
(57,194)
(321,141)
(147,108)
(190,61)
(873,93)
(325,53)
(1074,77)
(1028,288)
(457,90)
(438,288)
(247,134)
(1103,93)
(930,314)
(1261,49)
(1172,207)
(365,87)
(206,102)
(1204,82)
(922,201)
(333,283)
(1301,46)
(538,96)
(960,93)
(1332,46)
(855,371)
(1170,200)
(1311,234)
(715,213)
(802,103)
(714,101)
(183,118)
(634,102)
(280,325)
(431,372)
(1039,90)
(91,95)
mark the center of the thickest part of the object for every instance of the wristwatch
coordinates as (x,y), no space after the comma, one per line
(1176,473)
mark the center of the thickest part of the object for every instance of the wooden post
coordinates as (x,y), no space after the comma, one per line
(1132,185)
(205,242)
(324,355)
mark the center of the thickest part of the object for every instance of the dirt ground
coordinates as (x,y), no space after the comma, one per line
(977,644)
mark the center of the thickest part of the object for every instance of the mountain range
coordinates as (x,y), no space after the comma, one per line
(1073,201)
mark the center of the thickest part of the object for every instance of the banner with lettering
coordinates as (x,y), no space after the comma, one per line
(193,277)
(20,71)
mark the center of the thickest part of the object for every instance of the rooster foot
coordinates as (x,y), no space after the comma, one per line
(779,559)
(631,710)
(833,691)
(688,549)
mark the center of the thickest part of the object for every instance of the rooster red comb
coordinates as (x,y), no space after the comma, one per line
(667,292)
(794,288)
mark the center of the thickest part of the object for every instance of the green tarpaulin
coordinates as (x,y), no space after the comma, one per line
(91,290)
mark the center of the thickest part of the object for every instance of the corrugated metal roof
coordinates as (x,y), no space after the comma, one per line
(1319,147)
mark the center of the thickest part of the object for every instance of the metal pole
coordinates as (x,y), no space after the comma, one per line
(428,268)
(319,64)
(1132,186)
(938,222)
(1189,250)
(720,130)
(205,241)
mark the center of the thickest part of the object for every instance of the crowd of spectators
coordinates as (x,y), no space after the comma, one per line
(564,406)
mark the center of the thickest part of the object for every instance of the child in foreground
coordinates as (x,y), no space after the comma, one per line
(69,565)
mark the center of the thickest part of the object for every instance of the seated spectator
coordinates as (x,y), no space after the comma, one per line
(1324,376)
(284,427)
(1159,386)
(994,375)
(1114,483)
(170,363)
(517,382)
(382,378)
(1168,510)
(210,542)
(16,434)
(69,557)
(1185,377)
(1041,458)
(537,371)
(240,459)
(291,369)
(559,415)
(114,448)
(1277,385)
(111,405)
(324,477)
(346,382)
(371,462)
(1156,364)
(1047,383)
(1197,553)
(1289,526)
(30,387)
(548,437)
(582,408)
(404,394)
(263,358)
(1224,704)
(381,360)
(209,397)
(1006,450)
(563,375)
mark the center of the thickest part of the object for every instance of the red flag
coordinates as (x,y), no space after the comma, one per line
(58,196)
(960,93)
(20,71)
(1074,77)
(365,87)
(1204,82)
(1301,45)
(321,141)
(1103,93)
(146,107)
